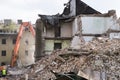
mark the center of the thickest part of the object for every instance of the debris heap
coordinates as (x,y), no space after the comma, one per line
(98,59)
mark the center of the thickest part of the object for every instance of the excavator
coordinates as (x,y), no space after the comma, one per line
(23,26)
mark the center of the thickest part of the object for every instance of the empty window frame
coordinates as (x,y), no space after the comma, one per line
(57,46)
(3,53)
(3,63)
(3,41)
(14,41)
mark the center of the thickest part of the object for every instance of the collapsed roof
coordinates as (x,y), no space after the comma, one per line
(81,8)
(72,9)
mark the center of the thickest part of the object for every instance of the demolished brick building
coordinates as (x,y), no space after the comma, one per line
(56,31)
(97,59)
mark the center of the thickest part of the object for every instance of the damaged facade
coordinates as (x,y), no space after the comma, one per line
(98,25)
(97,59)
(26,49)
(56,31)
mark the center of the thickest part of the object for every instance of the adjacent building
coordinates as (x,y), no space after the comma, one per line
(7,42)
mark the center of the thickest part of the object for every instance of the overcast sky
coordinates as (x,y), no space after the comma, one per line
(28,10)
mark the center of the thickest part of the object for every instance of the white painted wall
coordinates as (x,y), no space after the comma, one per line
(95,25)
(88,38)
(115,25)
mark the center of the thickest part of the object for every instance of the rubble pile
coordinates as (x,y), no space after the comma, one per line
(103,56)
(41,70)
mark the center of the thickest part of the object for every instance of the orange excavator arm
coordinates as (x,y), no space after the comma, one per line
(17,45)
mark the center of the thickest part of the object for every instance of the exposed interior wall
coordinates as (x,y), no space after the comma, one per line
(115,29)
(50,32)
(74,27)
(88,38)
(95,25)
(49,45)
(66,43)
(66,29)
(77,26)
(60,42)
(26,49)
(101,25)
(114,35)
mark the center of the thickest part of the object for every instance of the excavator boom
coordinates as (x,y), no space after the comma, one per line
(17,45)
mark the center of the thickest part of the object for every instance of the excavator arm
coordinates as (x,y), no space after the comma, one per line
(17,45)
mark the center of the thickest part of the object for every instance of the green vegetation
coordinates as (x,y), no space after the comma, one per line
(13,26)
